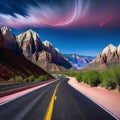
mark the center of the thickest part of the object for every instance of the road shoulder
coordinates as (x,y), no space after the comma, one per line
(108,100)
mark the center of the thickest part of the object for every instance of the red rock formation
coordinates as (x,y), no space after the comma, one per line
(110,54)
(29,43)
(43,54)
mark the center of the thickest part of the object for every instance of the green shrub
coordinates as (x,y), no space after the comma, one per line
(31,78)
(79,77)
(26,80)
(11,80)
(71,74)
(42,78)
(116,75)
(92,77)
(85,77)
(108,80)
(19,79)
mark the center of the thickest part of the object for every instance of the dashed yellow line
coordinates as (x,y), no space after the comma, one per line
(51,105)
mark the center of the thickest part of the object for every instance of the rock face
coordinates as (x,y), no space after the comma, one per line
(110,54)
(78,61)
(56,56)
(9,38)
(45,61)
(43,54)
(118,51)
(1,40)
(29,43)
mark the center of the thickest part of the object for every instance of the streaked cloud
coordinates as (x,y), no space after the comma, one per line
(47,14)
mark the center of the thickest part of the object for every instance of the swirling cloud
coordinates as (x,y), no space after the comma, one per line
(47,14)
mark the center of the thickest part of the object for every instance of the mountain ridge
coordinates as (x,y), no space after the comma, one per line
(78,61)
(30,45)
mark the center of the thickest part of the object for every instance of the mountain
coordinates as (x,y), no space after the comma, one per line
(118,51)
(56,55)
(41,53)
(9,38)
(1,40)
(13,64)
(29,43)
(78,61)
(110,56)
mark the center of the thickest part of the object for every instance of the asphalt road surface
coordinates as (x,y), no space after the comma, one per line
(6,87)
(56,101)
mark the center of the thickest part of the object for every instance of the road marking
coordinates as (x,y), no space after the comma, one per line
(51,105)
(55,97)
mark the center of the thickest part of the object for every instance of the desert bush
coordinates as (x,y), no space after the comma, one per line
(92,77)
(30,78)
(26,79)
(71,74)
(108,80)
(42,78)
(19,79)
(115,71)
(11,80)
(79,77)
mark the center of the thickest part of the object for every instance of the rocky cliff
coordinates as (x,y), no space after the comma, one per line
(9,38)
(29,44)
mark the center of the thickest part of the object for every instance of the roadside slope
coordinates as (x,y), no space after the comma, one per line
(12,64)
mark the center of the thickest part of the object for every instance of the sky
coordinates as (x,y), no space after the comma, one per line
(81,27)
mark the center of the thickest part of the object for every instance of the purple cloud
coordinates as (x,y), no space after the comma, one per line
(47,15)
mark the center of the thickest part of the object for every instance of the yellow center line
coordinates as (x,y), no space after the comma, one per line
(51,105)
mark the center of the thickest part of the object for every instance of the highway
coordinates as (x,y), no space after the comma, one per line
(56,101)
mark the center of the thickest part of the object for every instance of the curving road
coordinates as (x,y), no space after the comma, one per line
(56,101)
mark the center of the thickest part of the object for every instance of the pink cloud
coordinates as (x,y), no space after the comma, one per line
(77,13)
(47,15)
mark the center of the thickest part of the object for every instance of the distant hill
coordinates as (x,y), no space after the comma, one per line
(78,61)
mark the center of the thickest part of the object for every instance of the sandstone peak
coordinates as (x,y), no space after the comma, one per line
(9,38)
(47,43)
(58,50)
(5,30)
(118,49)
(27,36)
(109,49)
